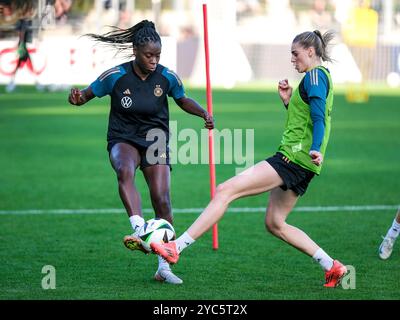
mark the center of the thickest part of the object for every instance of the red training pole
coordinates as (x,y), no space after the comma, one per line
(210,132)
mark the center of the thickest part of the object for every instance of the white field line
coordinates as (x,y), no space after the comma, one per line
(199,210)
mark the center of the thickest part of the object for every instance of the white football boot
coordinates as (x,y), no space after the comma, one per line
(386,247)
(166,275)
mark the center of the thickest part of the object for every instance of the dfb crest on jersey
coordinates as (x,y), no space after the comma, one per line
(158,91)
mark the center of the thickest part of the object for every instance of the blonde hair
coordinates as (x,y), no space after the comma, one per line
(316,40)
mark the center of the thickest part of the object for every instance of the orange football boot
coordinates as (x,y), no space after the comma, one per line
(166,250)
(335,274)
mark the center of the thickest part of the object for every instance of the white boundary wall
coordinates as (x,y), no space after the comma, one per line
(71,60)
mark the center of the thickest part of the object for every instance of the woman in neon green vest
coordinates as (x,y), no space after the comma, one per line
(287,174)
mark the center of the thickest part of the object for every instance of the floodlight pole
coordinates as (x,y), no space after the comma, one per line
(210,132)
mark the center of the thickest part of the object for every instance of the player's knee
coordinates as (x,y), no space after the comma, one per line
(124,174)
(273,229)
(223,191)
(274,226)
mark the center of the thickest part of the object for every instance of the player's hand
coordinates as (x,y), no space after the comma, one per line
(285,91)
(209,121)
(316,157)
(76,97)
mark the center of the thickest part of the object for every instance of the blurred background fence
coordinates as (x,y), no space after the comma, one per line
(250,39)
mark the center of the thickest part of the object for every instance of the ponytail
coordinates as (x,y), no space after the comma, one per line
(122,39)
(317,40)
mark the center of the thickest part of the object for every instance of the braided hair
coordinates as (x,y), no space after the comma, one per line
(136,36)
(317,40)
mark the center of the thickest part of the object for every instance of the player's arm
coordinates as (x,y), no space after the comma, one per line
(79,97)
(317,110)
(102,86)
(316,86)
(192,107)
(285,91)
(177,92)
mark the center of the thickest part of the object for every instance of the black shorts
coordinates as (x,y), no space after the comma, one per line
(294,177)
(148,157)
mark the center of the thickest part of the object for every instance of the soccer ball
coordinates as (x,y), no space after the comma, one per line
(156,230)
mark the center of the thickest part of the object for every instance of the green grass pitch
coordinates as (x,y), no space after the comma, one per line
(53,156)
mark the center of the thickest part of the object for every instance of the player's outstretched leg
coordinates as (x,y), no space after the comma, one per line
(167,250)
(334,276)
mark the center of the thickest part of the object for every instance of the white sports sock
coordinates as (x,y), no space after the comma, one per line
(394,230)
(184,241)
(163,264)
(136,222)
(323,259)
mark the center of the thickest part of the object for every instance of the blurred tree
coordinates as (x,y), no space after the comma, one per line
(82,6)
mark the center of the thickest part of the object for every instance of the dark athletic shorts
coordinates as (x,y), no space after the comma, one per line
(155,156)
(294,177)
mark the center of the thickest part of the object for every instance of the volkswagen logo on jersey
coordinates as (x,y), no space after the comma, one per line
(126,102)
